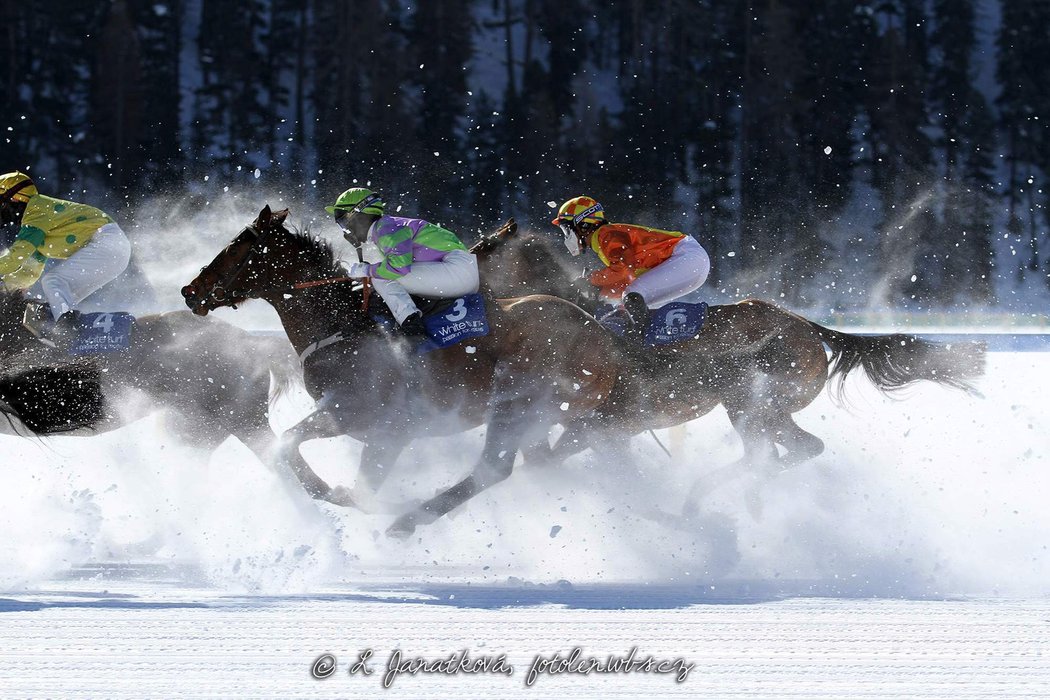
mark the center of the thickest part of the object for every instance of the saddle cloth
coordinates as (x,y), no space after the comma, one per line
(103,332)
(668,324)
(447,321)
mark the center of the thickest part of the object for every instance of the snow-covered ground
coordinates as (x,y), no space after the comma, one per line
(908,560)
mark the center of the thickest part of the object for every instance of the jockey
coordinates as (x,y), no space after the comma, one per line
(644,267)
(87,248)
(419,257)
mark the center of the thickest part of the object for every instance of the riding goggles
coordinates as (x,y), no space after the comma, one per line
(342,220)
(342,216)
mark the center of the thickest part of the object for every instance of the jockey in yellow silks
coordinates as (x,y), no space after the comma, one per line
(88,248)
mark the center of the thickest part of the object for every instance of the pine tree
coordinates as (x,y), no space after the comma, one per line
(1023,105)
(363,127)
(962,251)
(50,119)
(901,157)
(233,117)
(715,62)
(440,37)
(159,27)
(117,100)
(486,155)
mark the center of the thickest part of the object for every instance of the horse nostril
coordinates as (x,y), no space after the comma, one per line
(188,293)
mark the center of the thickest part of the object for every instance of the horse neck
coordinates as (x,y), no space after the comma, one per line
(315,313)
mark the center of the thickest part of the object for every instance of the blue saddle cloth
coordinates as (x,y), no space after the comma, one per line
(466,318)
(103,332)
(670,323)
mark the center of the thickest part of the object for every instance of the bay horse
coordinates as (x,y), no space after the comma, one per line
(540,364)
(762,362)
(212,378)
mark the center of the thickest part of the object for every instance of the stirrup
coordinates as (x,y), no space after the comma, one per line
(38,320)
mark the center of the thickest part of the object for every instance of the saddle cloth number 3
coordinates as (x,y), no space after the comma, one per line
(459,311)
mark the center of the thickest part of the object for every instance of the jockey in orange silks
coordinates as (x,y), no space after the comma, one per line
(644,267)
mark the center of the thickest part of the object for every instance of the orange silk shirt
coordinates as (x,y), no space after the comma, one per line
(628,251)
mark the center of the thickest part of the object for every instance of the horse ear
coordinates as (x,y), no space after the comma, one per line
(280,216)
(264,216)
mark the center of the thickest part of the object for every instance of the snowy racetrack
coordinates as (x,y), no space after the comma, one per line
(908,560)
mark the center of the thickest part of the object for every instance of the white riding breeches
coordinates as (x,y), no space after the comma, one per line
(683,272)
(100,261)
(454,276)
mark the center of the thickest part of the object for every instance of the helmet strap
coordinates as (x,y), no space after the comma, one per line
(9,195)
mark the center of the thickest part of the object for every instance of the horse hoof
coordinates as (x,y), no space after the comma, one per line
(403,527)
(340,496)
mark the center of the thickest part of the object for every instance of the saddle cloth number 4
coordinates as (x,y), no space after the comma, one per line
(103,332)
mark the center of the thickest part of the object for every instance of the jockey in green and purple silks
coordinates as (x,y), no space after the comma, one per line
(419,257)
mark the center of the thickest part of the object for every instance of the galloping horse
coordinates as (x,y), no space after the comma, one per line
(761,362)
(201,370)
(539,365)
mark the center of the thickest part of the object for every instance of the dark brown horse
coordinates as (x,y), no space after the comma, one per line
(212,378)
(542,363)
(761,362)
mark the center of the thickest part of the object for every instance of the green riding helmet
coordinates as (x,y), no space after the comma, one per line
(357,200)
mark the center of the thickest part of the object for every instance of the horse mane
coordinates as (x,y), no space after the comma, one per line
(320,250)
(320,254)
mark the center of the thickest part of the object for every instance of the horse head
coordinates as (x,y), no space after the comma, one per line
(260,259)
(515,265)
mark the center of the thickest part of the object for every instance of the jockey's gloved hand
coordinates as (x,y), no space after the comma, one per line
(358,270)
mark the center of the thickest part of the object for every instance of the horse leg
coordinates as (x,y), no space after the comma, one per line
(506,428)
(319,424)
(571,441)
(756,433)
(377,459)
(262,441)
(800,444)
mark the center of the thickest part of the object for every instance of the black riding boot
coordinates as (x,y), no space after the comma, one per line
(65,330)
(413,326)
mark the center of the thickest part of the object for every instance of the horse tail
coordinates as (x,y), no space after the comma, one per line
(53,399)
(894,361)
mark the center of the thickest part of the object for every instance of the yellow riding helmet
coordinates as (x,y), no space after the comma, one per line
(16,187)
(580,210)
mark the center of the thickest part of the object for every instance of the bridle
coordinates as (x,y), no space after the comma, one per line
(219,291)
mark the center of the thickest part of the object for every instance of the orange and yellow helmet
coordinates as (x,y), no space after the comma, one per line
(580,210)
(16,187)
